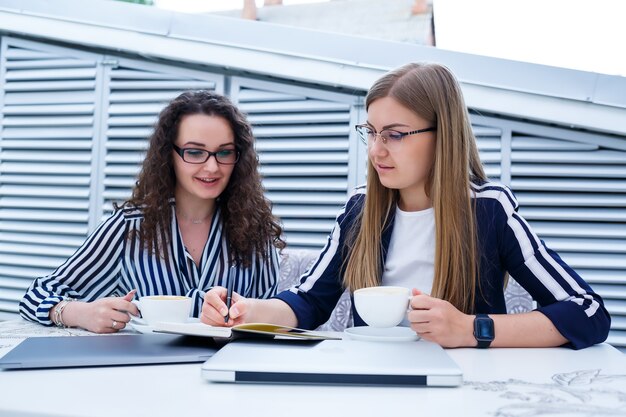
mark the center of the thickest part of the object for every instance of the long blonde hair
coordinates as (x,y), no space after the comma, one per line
(433,93)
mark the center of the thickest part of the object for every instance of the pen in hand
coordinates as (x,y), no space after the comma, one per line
(229,292)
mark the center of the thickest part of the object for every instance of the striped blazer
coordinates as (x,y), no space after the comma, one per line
(506,244)
(109,264)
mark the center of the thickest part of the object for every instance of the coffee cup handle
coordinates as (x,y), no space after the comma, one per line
(135,319)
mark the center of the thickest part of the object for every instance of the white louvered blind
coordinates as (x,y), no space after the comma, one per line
(571,187)
(303,139)
(136,94)
(489,143)
(48,101)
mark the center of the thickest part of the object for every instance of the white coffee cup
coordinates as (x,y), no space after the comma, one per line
(158,308)
(382,306)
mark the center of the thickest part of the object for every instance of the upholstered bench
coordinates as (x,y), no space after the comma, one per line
(295,262)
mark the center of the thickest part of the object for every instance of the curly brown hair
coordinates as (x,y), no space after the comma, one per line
(246,213)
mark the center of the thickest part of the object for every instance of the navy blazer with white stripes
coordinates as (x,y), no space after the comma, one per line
(108,264)
(506,244)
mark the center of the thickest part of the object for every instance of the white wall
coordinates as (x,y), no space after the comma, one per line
(586,35)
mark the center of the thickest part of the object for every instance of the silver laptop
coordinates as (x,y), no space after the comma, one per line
(67,351)
(334,362)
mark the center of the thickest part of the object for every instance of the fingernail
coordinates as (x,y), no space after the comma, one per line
(234,311)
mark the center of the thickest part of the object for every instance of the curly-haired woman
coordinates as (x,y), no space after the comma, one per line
(196,209)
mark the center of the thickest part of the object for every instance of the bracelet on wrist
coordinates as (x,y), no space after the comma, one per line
(58,313)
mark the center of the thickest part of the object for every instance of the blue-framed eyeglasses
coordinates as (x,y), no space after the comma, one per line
(200,156)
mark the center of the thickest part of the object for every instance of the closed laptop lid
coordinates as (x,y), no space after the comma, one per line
(68,351)
(334,362)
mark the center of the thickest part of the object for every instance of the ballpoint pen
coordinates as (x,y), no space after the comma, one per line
(229,293)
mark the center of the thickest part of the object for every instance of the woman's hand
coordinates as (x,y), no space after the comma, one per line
(106,315)
(214,308)
(439,321)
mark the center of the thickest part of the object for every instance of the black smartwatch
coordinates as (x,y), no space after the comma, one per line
(484,331)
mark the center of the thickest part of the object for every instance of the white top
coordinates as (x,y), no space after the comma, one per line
(411,257)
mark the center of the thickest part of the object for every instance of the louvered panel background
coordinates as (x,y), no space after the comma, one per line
(136,96)
(45,161)
(574,195)
(303,144)
(489,143)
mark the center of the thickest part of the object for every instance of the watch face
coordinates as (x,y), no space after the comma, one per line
(484,329)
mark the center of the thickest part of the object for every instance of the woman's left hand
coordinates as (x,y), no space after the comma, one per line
(439,321)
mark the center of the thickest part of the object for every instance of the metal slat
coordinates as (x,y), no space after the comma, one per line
(289,157)
(579,229)
(161,85)
(602,276)
(36,261)
(65,192)
(51,74)
(50,85)
(124,73)
(488,144)
(306,212)
(303,118)
(46,180)
(43,240)
(293,107)
(613,292)
(570,199)
(303,170)
(519,142)
(594,260)
(61,109)
(32,121)
(47,203)
(45,157)
(595,157)
(247,95)
(574,171)
(52,144)
(41,97)
(123,121)
(44,215)
(339,144)
(48,63)
(58,228)
(23,134)
(306,184)
(336,199)
(130,132)
(158,96)
(314,131)
(306,240)
(605,246)
(305,225)
(574,214)
(560,185)
(27,168)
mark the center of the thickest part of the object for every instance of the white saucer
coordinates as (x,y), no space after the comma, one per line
(145,328)
(375,334)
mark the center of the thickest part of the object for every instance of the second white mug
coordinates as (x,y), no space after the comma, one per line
(382,306)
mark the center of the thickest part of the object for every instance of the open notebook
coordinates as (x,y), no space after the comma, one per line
(248,330)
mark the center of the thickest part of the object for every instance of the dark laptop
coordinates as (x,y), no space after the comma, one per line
(81,351)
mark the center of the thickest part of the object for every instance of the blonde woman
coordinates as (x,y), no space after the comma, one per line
(429,220)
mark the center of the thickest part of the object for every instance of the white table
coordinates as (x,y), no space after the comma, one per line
(498,382)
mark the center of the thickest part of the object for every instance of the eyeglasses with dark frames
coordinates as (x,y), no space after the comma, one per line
(200,156)
(368,134)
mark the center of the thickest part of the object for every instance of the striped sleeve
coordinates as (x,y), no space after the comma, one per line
(563,296)
(320,288)
(90,273)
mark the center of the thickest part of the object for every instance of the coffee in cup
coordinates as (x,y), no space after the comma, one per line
(382,306)
(157,308)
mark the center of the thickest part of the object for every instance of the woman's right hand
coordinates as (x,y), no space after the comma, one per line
(214,308)
(106,315)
